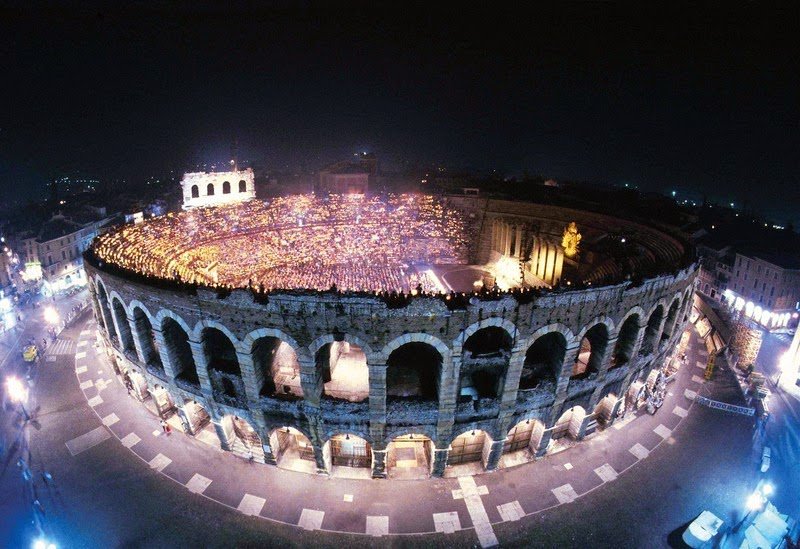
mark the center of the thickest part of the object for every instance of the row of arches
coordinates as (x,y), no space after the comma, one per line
(211,188)
(268,363)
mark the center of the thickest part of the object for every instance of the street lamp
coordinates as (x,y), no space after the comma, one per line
(51,316)
(43,544)
(755,502)
(18,393)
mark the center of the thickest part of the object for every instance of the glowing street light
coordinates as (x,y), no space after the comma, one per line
(784,365)
(51,316)
(18,393)
(43,544)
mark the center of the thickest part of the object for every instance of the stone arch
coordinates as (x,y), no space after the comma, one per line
(510,328)
(220,350)
(226,187)
(341,361)
(394,431)
(105,308)
(627,335)
(414,367)
(143,332)
(195,191)
(469,446)
(525,434)
(569,423)
(210,189)
(652,331)
(204,324)
(276,362)
(593,346)
(672,318)
(545,351)
(635,310)
(242,186)
(243,438)
(166,313)
(353,430)
(120,313)
(416,337)
(176,334)
(601,319)
(347,448)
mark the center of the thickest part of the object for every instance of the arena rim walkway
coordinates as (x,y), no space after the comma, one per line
(377,507)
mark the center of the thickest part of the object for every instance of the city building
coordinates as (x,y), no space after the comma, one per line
(54,254)
(766,290)
(201,189)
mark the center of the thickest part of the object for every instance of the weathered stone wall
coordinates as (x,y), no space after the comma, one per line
(308,322)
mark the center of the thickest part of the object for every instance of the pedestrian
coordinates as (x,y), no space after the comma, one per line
(164,426)
(167,428)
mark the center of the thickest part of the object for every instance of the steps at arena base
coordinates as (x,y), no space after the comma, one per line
(242,450)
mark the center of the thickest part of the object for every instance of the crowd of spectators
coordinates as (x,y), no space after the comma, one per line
(350,242)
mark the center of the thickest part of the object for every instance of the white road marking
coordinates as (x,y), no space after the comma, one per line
(82,354)
(87,440)
(567,466)
(95,401)
(662,431)
(680,412)
(130,440)
(511,511)
(198,483)
(251,505)
(311,519)
(446,522)
(80,369)
(606,473)
(159,462)
(377,525)
(86,384)
(688,393)
(82,344)
(639,451)
(565,493)
(472,493)
(348,498)
(698,379)
(110,420)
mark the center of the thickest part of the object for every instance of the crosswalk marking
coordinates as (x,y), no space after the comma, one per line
(61,347)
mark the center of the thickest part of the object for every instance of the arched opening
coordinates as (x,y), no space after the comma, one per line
(626,340)
(590,355)
(522,442)
(277,363)
(543,361)
(292,450)
(569,424)
(147,340)
(409,457)
(223,364)
(179,352)
(344,369)
(243,440)
(164,406)
(226,187)
(197,418)
(650,338)
(210,189)
(349,456)
(672,317)
(484,363)
(105,311)
(125,336)
(468,447)
(413,371)
(242,186)
(136,384)
(195,191)
(606,409)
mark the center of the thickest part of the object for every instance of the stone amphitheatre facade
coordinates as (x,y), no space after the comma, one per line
(442,380)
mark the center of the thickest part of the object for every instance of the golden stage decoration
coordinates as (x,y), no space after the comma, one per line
(571,240)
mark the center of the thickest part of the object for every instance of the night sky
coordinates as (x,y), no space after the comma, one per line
(695,100)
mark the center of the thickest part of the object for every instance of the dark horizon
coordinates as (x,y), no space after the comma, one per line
(701,100)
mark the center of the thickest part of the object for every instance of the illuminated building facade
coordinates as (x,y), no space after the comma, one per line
(764,290)
(55,253)
(202,189)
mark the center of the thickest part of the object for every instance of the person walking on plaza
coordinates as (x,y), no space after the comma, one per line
(165,427)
